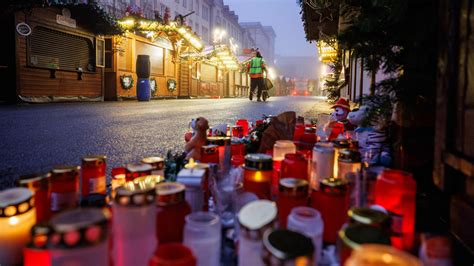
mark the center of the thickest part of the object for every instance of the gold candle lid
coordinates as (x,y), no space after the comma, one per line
(284,245)
(381,255)
(94,160)
(15,201)
(369,216)
(79,227)
(293,186)
(65,171)
(135,194)
(157,163)
(34,182)
(170,193)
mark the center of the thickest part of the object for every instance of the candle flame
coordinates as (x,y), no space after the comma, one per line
(13,220)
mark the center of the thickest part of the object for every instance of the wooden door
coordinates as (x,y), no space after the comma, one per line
(454,145)
(184,80)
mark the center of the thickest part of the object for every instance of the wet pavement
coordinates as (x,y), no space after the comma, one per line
(36,137)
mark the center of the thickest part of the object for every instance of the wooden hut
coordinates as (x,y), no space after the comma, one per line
(56,52)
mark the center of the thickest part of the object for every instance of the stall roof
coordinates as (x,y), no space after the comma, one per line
(173,28)
(90,16)
(220,55)
(320,19)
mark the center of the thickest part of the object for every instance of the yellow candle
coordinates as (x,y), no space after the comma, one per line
(17,216)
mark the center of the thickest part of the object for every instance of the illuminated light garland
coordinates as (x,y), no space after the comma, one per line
(151,27)
(327,53)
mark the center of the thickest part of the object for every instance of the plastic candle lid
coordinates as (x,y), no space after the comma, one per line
(284,143)
(349,156)
(259,161)
(257,214)
(381,255)
(293,186)
(324,147)
(369,216)
(15,201)
(78,218)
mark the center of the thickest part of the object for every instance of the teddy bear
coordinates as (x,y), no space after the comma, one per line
(373,140)
(192,148)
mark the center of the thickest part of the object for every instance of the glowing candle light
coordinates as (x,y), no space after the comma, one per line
(258,171)
(40,185)
(17,216)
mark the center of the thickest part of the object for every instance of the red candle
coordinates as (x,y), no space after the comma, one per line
(258,171)
(292,193)
(307,140)
(64,187)
(210,154)
(173,254)
(332,201)
(36,252)
(395,190)
(93,175)
(135,170)
(40,185)
(237,160)
(294,165)
(299,131)
(237,131)
(245,126)
(172,210)
(238,148)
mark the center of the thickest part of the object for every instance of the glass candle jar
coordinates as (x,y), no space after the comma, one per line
(193,179)
(293,192)
(118,177)
(258,172)
(93,175)
(381,255)
(36,251)
(351,237)
(369,178)
(284,247)
(202,234)
(254,219)
(299,131)
(135,170)
(210,154)
(17,216)
(245,126)
(368,216)
(308,139)
(173,254)
(348,162)
(64,187)
(223,147)
(40,185)
(281,148)
(157,165)
(323,163)
(205,182)
(309,222)
(80,237)
(395,190)
(134,223)
(332,201)
(338,145)
(238,131)
(237,148)
(172,210)
(294,165)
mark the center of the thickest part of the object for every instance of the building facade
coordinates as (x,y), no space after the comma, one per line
(263,37)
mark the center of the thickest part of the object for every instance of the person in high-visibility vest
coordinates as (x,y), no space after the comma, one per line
(255,68)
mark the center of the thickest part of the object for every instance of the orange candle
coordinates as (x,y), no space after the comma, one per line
(258,171)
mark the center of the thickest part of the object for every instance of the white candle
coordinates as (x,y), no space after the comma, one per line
(17,216)
(193,180)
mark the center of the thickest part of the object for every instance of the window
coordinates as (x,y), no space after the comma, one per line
(196,28)
(191,5)
(55,49)
(205,13)
(197,7)
(185,3)
(162,10)
(190,23)
(205,34)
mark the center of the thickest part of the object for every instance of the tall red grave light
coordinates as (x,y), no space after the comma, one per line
(332,201)
(395,190)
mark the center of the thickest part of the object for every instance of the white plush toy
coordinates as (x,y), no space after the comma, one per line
(373,142)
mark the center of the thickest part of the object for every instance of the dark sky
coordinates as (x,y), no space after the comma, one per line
(284,16)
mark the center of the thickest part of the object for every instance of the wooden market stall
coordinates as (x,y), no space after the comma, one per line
(58,51)
(216,72)
(170,76)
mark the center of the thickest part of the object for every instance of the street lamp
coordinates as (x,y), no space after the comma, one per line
(218,35)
